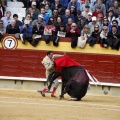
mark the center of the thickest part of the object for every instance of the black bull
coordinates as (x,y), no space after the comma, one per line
(75,81)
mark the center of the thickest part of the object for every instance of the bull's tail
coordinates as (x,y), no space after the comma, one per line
(93,79)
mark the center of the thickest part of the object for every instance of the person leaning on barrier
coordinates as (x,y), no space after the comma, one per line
(49,66)
(74,33)
(26,32)
(12,28)
(37,32)
(2,30)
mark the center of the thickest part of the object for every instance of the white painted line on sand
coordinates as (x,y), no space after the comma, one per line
(66,102)
(93,106)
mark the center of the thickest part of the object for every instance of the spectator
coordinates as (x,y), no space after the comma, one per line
(67,16)
(78,16)
(43,3)
(37,32)
(75,4)
(31,2)
(12,28)
(113,38)
(55,15)
(114,22)
(7,19)
(86,11)
(52,20)
(105,22)
(73,33)
(81,23)
(118,19)
(2,29)
(40,18)
(100,21)
(87,3)
(2,8)
(64,3)
(98,11)
(103,36)
(68,25)
(116,8)
(95,36)
(46,16)
(109,4)
(49,30)
(93,2)
(102,9)
(33,11)
(92,24)
(18,22)
(58,22)
(89,18)
(34,8)
(60,32)
(48,10)
(61,10)
(85,33)
(111,16)
(55,5)
(28,19)
(73,11)
(26,32)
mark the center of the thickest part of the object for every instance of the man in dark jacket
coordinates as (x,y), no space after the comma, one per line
(12,28)
(37,32)
(114,38)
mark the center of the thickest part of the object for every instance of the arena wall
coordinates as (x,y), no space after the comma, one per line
(24,61)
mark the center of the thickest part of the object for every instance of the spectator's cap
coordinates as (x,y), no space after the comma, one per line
(40,15)
(33,3)
(38,21)
(87,6)
(8,12)
(94,18)
(98,7)
(78,12)
(15,15)
(83,18)
(60,6)
(72,6)
(90,13)
(1,21)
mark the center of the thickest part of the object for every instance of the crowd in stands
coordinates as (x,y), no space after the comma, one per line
(84,21)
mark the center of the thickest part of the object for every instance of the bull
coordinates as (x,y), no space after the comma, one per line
(75,81)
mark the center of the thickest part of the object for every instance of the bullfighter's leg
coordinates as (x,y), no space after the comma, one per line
(55,87)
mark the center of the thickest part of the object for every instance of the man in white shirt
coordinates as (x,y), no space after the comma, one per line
(7,19)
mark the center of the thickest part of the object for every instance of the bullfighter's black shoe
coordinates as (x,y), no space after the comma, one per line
(42,94)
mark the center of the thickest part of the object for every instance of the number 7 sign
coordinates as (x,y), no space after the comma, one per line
(9,42)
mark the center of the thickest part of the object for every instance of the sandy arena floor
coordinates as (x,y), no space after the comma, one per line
(30,105)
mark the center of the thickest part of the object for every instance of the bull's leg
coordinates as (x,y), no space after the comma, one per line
(62,90)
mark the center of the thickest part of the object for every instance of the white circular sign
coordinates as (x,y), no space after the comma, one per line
(9,42)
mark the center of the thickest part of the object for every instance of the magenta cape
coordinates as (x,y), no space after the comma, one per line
(64,62)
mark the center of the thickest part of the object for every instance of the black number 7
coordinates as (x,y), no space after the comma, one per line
(10,42)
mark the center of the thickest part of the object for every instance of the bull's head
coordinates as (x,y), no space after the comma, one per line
(51,78)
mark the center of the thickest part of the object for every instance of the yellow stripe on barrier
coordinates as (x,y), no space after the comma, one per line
(66,47)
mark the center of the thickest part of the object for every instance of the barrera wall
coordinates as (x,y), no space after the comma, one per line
(21,60)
